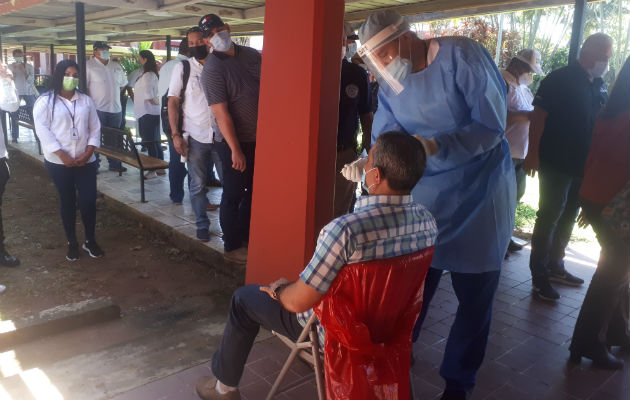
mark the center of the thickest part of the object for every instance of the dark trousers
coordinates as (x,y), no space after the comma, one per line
(15,128)
(176,174)
(110,120)
(249,310)
(236,200)
(467,340)
(557,209)
(4,178)
(521,178)
(149,128)
(68,182)
(603,318)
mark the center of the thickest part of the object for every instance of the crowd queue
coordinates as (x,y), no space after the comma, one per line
(448,149)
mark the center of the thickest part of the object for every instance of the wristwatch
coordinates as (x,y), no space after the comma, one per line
(176,134)
(277,290)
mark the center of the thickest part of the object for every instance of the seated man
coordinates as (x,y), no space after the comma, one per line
(384,224)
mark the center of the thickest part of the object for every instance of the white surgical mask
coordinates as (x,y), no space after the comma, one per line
(399,68)
(352,50)
(598,69)
(105,54)
(221,41)
(363,184)
(526,79)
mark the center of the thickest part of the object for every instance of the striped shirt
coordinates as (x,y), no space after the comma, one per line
(380,227)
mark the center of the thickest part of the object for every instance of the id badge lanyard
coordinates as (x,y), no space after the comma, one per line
(75,134)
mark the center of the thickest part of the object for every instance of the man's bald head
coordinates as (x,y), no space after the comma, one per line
(596,48)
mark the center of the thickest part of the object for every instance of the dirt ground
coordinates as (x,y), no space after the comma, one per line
(140,270)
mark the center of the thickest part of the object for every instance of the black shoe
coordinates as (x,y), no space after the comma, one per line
(93,250)
(544,290)
(8,260)
(214,182)
(513,246)
(565,278)
(13,140)
(203,235)
(118,169)
(454,395)
(602,359)
(73,252)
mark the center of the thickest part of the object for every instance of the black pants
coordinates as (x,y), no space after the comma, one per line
(603,318)
(149,128)
(4,178)
(236,200)
(249,310)
(68,182)
(521,178)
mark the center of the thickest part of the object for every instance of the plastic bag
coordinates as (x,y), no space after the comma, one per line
(368,314)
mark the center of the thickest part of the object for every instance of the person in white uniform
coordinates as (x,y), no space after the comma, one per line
(24,80)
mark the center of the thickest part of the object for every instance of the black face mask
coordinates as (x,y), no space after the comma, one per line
(199,52)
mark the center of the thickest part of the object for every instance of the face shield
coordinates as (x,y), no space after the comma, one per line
(385,63)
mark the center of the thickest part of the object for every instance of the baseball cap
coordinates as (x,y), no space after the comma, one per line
(532,58)
(209,22)
(100,45)
(349,32)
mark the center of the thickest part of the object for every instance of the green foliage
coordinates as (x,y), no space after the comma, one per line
(130,63)
(525,216)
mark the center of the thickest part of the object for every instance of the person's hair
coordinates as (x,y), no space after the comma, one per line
(619,99)
(56,82)
(193,30)
(593,42)
(150,65)
(400,158)
(519,66)
(16,51)
(183,46)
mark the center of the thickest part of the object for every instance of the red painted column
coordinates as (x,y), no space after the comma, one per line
(297,135)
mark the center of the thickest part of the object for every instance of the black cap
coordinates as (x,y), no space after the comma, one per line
(101,45)
(209,22)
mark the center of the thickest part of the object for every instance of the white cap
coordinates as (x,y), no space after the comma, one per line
(380,20)
(532,58)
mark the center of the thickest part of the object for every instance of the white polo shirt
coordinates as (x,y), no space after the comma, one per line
(166,71)
(55,130)
(146,88)
(104,83)
(10,102)
(199,121)
(519,98)
(23,82)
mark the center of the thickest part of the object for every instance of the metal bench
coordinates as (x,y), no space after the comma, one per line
(25,119)
(118,144)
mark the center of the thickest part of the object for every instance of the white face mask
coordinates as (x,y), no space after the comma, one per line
(221,41)
(526,79)
(352,50)
(104,54)
(598,69)
(363,184)
(399,68)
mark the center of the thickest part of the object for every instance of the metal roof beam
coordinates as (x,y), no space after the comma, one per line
(127,4)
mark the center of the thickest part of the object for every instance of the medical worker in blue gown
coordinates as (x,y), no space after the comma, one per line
(449,94)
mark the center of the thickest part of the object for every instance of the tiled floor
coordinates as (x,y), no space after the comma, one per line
(126,189)
(526,356)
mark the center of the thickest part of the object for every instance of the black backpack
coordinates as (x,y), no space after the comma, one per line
(166,126)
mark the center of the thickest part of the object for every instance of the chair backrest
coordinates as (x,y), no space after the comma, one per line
(118,140)
(25,114)
(368,314)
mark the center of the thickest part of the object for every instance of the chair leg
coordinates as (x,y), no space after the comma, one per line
(142,200)
(283,372)
(319,368)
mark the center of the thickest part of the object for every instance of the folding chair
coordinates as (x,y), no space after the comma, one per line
(308,349)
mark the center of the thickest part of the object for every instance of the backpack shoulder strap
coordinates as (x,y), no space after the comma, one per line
(186,65)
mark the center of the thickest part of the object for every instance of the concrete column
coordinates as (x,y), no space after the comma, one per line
(168,47)
(577,30)
(79,10)
(297,136)
(52,59)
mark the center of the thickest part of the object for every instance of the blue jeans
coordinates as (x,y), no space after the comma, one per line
(15,128)
(468,337)
(110,120)
(557,209)
(199,155)
(176,174)
(149,129)
(249,310)
(236,200)
(68,182)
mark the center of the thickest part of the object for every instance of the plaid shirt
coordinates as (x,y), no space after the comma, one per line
(380,227)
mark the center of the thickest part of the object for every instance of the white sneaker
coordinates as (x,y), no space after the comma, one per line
(150,175)
(2,288)
(238,256)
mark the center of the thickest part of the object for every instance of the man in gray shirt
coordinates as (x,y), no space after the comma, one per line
(231,82)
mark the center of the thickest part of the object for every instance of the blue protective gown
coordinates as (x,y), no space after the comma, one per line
(469,186)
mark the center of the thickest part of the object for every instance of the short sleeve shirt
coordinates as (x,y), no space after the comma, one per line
(354,100)
(572,102)
(235,80)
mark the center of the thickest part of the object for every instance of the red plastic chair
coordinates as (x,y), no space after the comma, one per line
(368,314)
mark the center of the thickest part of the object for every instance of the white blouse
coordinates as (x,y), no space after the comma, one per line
(73,126)
(145,89)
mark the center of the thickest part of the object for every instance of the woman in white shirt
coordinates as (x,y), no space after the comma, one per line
(69,130)
(146,105)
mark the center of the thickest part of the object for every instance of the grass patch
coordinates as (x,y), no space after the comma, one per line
(525,216)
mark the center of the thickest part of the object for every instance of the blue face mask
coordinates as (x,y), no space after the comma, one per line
(363,184)
(221,41)
(399,68)
(352,50)
(105,54)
